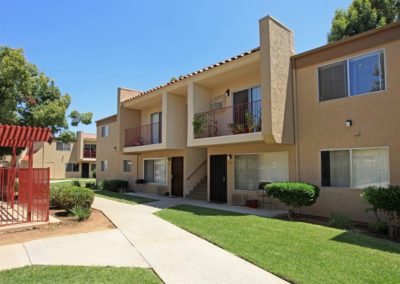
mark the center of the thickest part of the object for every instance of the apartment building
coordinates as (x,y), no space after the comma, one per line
(326,116)
(65,160)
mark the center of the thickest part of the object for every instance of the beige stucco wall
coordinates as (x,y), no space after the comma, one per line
(108,149)
(321,125)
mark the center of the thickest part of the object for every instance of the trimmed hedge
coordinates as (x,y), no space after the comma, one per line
(115,185)
(69,197)
(294,194)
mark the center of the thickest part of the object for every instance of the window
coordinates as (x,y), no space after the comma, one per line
(103,166)
(357,168)
(245,102)
(104,131)
(72,167)
(352,77)
(61,146)
(92,167)
(250,170)
(155,171)
(127,165)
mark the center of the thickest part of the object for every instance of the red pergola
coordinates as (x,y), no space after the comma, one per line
(31,201)
(23,137)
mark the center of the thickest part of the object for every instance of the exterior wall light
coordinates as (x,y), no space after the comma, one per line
(227,92)
(349,123)
(229,157)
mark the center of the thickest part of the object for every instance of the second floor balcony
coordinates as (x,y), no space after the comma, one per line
(232,120)
(143,135)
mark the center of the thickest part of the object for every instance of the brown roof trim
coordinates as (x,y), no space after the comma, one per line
(196,73)
(347,40)
(107,119)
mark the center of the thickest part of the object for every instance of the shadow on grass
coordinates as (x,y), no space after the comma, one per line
(368,242)
(122,197)
(204,211)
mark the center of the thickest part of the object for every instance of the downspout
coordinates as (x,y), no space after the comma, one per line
(296,121)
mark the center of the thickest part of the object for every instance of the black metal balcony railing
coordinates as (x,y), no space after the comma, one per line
(232,120)
(89,153)
(143,135)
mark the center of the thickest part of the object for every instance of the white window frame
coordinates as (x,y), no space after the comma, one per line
(123,166)
(64,148)
(347,60)
(106,131)
(166,170)
(351,164)
(257,154)
(105,168)
(72,171)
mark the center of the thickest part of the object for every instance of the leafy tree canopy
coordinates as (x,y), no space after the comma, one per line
(29,98)
(363,15)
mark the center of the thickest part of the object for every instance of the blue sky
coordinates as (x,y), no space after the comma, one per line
(90,48)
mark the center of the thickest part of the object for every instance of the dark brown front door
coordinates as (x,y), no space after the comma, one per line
(218,185)
(85,170)
(177,176)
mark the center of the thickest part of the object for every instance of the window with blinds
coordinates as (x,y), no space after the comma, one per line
(355,76)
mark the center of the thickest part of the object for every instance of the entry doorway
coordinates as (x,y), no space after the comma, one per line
(218,182)
(85,170)
(177,176)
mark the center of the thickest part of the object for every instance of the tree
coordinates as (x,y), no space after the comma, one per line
(363,15)
(29,98)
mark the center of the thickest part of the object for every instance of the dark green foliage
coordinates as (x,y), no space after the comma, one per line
(385,200)
(340,221)
(378,227)
(94,174)
(83,213)
(294,194)
(29,98)
(68,197)
(76,183)
(91,185)
(115,185)
(363,15)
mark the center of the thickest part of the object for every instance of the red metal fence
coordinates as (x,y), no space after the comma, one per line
(89,153)
(143,135)
(237,119)
(24,195)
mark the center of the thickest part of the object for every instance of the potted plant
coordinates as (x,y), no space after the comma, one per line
(199,122)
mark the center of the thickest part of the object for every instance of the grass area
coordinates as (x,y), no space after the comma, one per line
(296,251)
(78,274)
(68,182)
(121,197)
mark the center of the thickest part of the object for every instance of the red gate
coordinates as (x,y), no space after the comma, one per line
(24,193)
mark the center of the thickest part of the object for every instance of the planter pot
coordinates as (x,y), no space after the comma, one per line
(252,203)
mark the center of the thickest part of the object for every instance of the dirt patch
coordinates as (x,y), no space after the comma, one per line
(69,225)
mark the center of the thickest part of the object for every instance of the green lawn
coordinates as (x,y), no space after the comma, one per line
(67,182)
(296,251)
(121,197)
(78,274)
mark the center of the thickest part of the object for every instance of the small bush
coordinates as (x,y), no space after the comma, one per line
(76,183)
(70,197)
(82,213)
(378,227)
(91,185)
(387,201)
(115,185)
(94,174)
(294,194)
(340,220)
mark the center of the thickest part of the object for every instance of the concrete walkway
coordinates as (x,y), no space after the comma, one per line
(176,255)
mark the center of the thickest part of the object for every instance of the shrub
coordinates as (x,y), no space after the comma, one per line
(387,201)
(115,185)
(91,185)
(340,220)
(76,183)
(70,197)
(294,194)
(378,227)
(94,174)
(82,213)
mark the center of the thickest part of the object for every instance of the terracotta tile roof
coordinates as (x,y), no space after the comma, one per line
(89,135)
(195,73)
